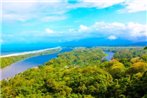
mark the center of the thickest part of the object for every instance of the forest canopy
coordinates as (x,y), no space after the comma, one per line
(82,73)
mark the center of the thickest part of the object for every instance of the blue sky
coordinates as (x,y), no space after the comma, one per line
(33,21)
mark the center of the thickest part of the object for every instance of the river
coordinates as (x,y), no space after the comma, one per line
(21,66)
(109,55)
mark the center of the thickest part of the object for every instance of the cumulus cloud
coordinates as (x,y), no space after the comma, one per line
(49,31)
(112,31)
(137,30)
(129,5)
(53,18)
(20,10)
(49,10)
(131,31)
(83,28)
(112,37)
(135,6)
(101,3)
(52,1)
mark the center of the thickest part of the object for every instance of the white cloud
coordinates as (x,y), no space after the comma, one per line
(129,5)
(135,5)
(49,31)
(20,10)
(83,28)
(132,31)
(102,3)
(14,17)
(112,37)
(52,1)
(137,30)
(53,18)
(49,10)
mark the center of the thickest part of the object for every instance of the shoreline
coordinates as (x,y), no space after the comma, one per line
(29,52)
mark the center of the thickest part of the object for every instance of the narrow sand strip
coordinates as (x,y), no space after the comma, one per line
(29,52)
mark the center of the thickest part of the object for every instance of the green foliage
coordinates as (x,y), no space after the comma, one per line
(81,73)
(116,69)
(145,47)
(138,67)
(125,55)
(144,57)
(89,80)
(78,57)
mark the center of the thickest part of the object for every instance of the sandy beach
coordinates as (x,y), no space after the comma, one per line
(28,52)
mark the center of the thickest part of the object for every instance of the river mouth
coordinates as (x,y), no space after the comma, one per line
(21,66)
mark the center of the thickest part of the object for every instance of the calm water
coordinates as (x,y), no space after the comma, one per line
(109,55)
(23,65)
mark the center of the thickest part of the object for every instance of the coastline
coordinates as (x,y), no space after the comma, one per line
(29,52)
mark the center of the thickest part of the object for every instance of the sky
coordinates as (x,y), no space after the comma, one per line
(39,21)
